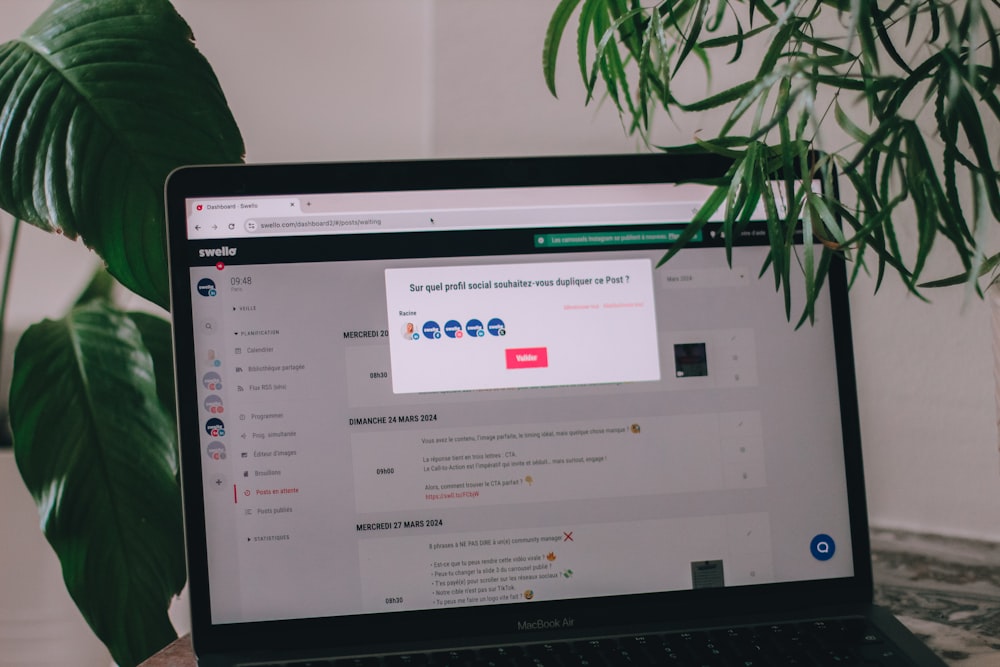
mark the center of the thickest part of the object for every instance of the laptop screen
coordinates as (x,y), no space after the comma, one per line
(412,393)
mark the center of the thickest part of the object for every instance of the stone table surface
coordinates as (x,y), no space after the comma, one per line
(945,590)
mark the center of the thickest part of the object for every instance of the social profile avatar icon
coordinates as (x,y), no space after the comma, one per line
(212,359)
(212,381)
(453,329)
(206,287)
(215,428)
(216,451)
(475,328)
(214,404)
(822,547)
(496,327)
(431,329)
(410,331)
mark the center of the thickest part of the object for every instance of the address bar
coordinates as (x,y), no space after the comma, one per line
(287,224)
(472,218)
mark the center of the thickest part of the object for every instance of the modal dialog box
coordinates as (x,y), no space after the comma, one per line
(502,326)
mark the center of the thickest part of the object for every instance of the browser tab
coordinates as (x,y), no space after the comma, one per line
(215,218)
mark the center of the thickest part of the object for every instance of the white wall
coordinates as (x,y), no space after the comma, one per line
(928,421)
(370,79)
(398,78)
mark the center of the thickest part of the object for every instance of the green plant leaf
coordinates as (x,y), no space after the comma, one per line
(608,60)
(848,125)
(646,77)
(994,43)
(972,125)
(762,7)
(630,31)
(861,27)
(156,337)
(988,264)
(587,14)
(656,76)
(553,37)
(101,287)
(738,38)
(727,96)
(694,32)
(99,101)
(725,146)
(94,446)
(707,210)
(879,21)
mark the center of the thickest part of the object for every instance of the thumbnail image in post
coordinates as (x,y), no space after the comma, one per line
(708,574)
(690,360)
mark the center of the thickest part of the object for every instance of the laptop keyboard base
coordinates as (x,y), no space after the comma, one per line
(838,642)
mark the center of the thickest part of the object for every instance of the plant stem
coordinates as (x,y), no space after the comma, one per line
(5,286)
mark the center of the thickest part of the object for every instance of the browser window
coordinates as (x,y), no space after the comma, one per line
(454,398)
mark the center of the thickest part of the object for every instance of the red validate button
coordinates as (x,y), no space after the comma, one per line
(527,357)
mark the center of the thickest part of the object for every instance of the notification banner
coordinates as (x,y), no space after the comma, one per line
(503,326)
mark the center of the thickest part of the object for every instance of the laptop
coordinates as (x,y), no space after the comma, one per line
(452,412)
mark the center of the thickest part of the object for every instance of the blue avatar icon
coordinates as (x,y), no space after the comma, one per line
(431,329)
(206,287)
(496,327)
(453,329)
(475,328)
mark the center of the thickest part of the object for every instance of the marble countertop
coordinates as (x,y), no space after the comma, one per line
(946,590)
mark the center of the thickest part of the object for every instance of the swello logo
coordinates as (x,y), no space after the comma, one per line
(475,328)
(212,381)
(431,330)
(215,428)
(224,251)
(214,404)
(206,287)
(496,327)
(216,451)
(453,329)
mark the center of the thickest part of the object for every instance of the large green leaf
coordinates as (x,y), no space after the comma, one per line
(553,35)
(156,338)
(96,448)
(101,99)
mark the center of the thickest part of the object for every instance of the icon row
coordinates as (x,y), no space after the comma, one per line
(212,380)
(454,329)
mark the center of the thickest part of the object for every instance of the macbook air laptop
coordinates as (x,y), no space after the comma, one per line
(451,412)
